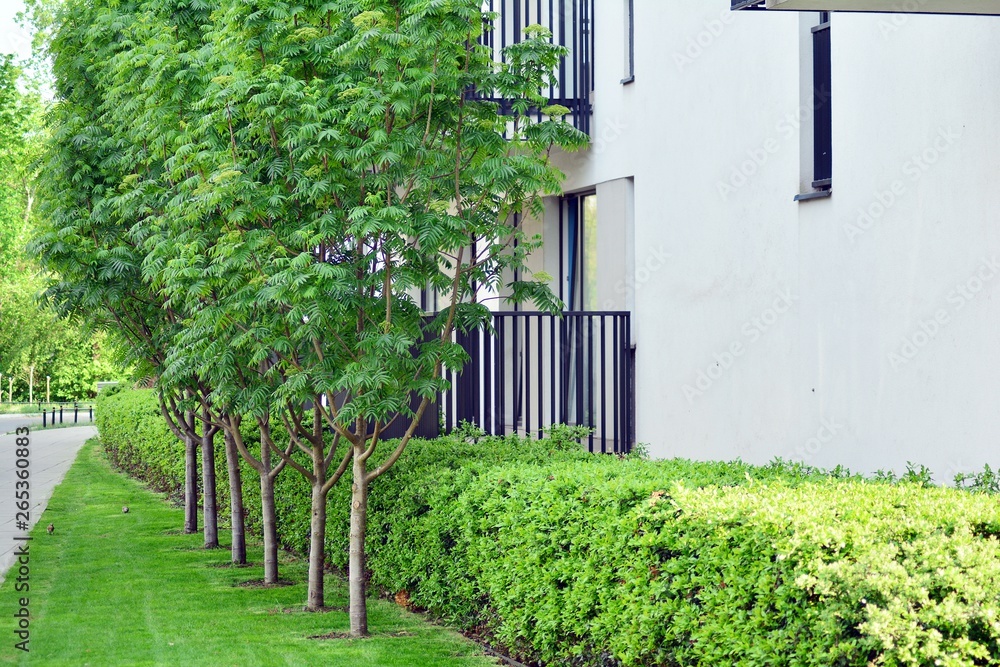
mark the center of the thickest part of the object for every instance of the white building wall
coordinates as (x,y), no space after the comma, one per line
(764,327)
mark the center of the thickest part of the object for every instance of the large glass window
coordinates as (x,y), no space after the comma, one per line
(580,266)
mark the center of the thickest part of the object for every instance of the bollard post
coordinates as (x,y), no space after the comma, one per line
(44,415)
(76,413)
(91,414)
(60,414)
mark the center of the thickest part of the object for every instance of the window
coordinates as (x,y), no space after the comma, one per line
(822,115)
(578,289)
(578,229)
(629,41)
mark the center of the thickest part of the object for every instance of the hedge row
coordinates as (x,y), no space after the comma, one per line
(138,441)
(579,560)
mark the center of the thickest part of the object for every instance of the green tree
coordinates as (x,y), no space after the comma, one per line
(91,234)
(342,164)
(252,200)
(31,336)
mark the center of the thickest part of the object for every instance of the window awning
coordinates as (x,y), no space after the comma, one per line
(980,7)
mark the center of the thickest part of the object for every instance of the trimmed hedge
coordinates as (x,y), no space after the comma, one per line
(139,442)
(575,559)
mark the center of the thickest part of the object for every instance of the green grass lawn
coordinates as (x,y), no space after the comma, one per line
(111,589)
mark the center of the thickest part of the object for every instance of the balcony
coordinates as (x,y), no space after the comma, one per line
(533,370)
(571,24)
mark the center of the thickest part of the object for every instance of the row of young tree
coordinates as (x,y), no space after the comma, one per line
(63,358)
(251,194)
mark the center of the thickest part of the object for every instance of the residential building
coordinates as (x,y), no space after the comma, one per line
(792,219)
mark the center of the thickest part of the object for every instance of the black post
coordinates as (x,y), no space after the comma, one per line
(44,416)
(76,413)
(60,414)
(603,388)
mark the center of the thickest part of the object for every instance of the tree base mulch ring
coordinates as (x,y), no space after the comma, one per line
(202,547)
(230,564)
(259,583)
(373,635)
(303,610)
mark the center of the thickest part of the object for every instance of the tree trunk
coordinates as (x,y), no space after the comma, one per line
(357,575)
(317,548)
(269,528)
(190,486)
(237,516)
(211,510)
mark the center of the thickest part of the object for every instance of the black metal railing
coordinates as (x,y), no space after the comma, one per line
(534,370)
(571,24)
(67,414)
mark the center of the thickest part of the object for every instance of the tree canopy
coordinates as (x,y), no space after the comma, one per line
(253,195)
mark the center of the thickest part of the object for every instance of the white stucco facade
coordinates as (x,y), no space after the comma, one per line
(860,329)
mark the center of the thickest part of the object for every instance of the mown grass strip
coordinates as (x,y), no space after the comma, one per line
(109,588)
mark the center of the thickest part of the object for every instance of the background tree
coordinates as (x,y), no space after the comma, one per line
(31,335)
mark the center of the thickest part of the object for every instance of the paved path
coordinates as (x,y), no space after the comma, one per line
(8,423)
(52,453)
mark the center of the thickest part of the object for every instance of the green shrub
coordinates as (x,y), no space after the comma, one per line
(138,441)
(576,559)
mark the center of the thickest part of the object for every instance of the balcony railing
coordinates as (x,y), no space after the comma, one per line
(535,370)
(571,24)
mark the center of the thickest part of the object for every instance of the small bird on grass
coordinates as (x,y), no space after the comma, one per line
(125,509)
(50,528)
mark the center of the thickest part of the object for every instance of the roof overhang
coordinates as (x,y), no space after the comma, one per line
(969,7)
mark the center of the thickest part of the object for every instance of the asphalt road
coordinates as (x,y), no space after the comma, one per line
(51,454)
(10,423)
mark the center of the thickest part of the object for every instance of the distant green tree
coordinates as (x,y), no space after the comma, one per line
(32,337)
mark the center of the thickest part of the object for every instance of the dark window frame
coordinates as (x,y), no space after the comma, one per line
(572,245)
(822,105)
(630,42)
